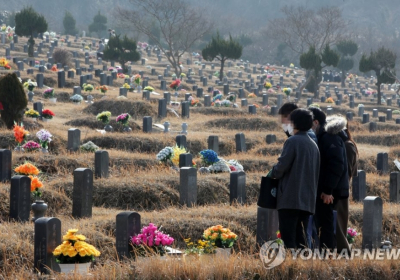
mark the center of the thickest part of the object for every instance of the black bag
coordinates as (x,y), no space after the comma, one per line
(268,190)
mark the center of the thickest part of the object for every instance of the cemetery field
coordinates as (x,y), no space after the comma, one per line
(138,182)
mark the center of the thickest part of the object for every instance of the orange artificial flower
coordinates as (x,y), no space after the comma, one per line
(54,68)
(35,183)
(27,169)
(20,133)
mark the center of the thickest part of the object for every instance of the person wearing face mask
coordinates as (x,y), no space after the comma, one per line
(297,170)
(284,113)
(333,183)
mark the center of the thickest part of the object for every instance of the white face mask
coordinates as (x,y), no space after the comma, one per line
(290,129)
(285,127)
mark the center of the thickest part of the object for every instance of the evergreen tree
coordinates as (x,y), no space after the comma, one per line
(121,50)
(347,49)
(69,24)
(312,61)
(13,98)
(27,23)
(382,62)
(99,24)
(222,50)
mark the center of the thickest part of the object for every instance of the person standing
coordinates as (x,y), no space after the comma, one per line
(297,170)
(333,183)
(342,205)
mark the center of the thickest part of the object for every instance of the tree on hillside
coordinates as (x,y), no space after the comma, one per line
(99,24)
(181,25)
(222,50)
(13,98)
(382,62)
(156,33)
(27,23)
(69,24)
(347,49)
(312,61)
(121,50)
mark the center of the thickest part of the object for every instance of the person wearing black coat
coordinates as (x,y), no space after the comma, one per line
(333,181)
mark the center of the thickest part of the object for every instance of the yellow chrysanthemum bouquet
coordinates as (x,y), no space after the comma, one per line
(220,236)
(74,249)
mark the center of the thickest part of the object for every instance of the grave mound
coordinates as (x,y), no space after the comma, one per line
(94,124)
(117,107)
(244,124)
(217,111)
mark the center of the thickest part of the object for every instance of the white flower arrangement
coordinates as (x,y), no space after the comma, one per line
(236,165)
(76,98)
(226,103)
(165,154)
(89,147)
(360,105)
(220,166)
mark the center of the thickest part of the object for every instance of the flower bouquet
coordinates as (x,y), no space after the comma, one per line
(217,97)
(209,157)
(252,95)
(48,93)
(123,119)
(222,237)
(149,88)
(329,100)
(267,85)
(32,114)
(74,249)
(126,85)
(87,87)
(77,98)
(199,248)
(226,103)
(150,241)
(165,154)
(26,169)
(31,146)
(183,75)
(54,68)
(234,165)
(121,76)
(30,85)
(44,137)
(175,84)
(193,101)
(20,134)
(287,91)
(315,105)
(4,63)
(136,79)
(103,89)
(177,151)
(36,186)
(89,147)
(104,117)
(47,114)
(351,235)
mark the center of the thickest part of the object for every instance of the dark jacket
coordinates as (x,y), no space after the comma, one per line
(351,153)
(333,178)
(298,170)
(310,133)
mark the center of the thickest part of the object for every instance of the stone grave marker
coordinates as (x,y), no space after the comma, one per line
(267,225)
(147,124)
(20,198)
(5,165)
(395,187)
(373,127)
(74,139)
(82,193)
(128,224)
(61,79)
(207,101)
(360,111)
(382,119)
(252,109)
(372,222)
(185,109)
(365,118)
(274,110)
(271,138)
(162,108)
(389,114)
(185,160)
(47,237)
(213,143)
(374,113)
(38,106)
(181,141)
(101,163)
(240,142)
(349,116)
(382,164)
(359,186)
(188,186)
(237,187)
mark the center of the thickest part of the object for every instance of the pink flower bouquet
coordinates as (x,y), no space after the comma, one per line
(150,241)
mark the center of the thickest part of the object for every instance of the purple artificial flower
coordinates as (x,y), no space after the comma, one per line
(44,136)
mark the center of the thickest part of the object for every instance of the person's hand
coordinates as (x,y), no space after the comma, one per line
(327,198)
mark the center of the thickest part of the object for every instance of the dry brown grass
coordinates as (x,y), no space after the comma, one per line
(139,183)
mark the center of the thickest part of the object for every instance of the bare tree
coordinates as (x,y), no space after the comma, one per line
(180,24)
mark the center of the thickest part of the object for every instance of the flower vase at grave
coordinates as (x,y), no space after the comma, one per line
(44,150)
(39,208)
(30,96)
(19,149)
(79,268)
(53,100)
(223,252)
(139,89)
(108,128)
(127,128)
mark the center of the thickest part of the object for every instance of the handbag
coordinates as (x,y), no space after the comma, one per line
(268,191)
